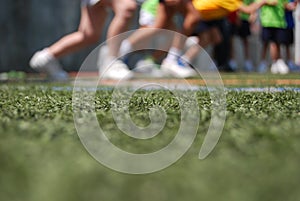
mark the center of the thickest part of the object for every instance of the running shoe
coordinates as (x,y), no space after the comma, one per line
(116,70)
(148,67)
(177,69)
(110,68)
(262,67)
(44,62)
(282,67)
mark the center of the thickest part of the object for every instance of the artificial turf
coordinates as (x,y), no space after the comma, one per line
(41,156)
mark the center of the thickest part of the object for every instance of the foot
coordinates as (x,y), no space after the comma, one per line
(293,67)
(248,66)
(43,61)
(112,68)
(233,64)
(149,67)
(115,70)
(177,69)
(274,68)
(262,67)
(282,67)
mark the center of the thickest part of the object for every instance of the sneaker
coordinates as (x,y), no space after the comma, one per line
(290,64)
(149,67)
(274,68)
(233,64)
(282,67)
(177,69)
(262,67)
(293,67)
(44,62)
(248,66)
(116,70)
(113,69)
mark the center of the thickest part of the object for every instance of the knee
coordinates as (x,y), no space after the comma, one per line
(191,21)
(194,20)
(126,10)
(91,38)
(216,40)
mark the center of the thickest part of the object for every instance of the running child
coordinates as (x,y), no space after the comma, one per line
(93,15)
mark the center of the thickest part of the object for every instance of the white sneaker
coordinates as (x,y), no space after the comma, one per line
(116,70)
(171,67)
(282,67)
(249,66)
(274,68)
(144,66)
(43,61)
(148,67)
(262,67)
(110,68)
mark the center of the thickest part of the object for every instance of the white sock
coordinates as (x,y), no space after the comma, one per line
(41,58)
(173,54)
(125,47)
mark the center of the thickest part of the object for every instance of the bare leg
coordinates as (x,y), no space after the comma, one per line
(211,36)
(192,17)
(91,23)
(246,48)
(163,20)
(264,51)
(123,10)
(288,53)
(215,36)
(274,51)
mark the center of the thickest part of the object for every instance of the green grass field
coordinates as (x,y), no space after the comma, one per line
(42,158)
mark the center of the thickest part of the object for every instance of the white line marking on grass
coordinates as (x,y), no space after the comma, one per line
(194,88)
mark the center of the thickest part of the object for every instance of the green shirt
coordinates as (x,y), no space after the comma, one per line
(150,6)
(273,16)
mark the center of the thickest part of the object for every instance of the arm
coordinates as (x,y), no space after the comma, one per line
(291,6)
(255,6)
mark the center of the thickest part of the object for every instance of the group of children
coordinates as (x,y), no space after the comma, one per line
(200,19)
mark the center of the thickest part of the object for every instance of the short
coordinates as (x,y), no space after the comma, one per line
(242,30)
(271,34)
(205,26)
(289,36)
(89,2)
(146,18)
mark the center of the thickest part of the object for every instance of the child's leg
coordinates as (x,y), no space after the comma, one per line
(246,48)
(264,51)
(204,40)
(209,34)
(163,20)
(288,52)
(274,51)
(123,10)
(89,31)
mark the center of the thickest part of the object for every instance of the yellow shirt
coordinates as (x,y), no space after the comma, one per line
(216,9)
